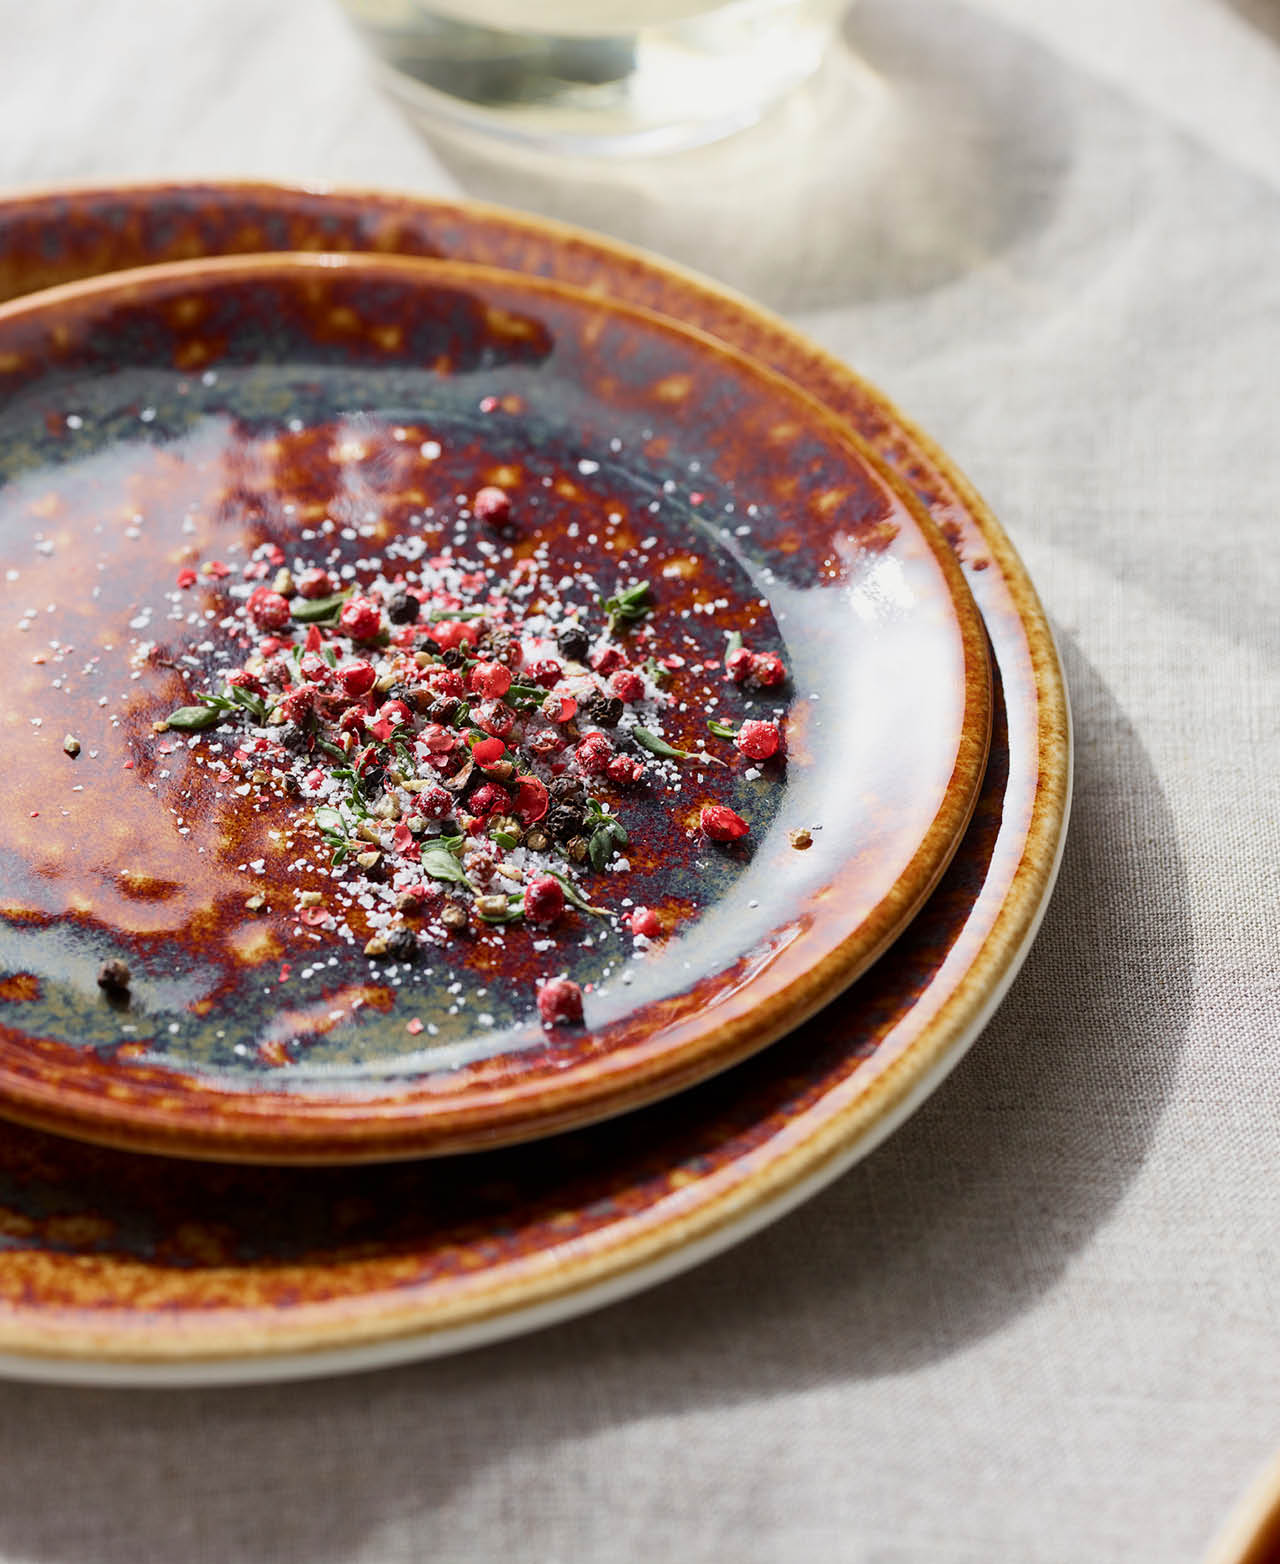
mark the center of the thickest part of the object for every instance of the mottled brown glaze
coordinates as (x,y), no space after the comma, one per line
(112,1259)
(136,842)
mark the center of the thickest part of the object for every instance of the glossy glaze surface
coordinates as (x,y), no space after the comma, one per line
(102,1270)
(173,420)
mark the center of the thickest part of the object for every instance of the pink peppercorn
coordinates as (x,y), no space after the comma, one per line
(645,921)
(594,754)
(738,665)
(360,618)
(543,900)
(435,739)
(314,583)
(435,802)
(560,1002)
(495,718)
(608,657)
(358,678)
(492,504)
(487,751)
(267,609)
(759,740)
(768,668)
(445,681)
(297,704)
(545,742)
(447,633)
(488,799)
(559,708)
(532,800)
(721,824)
(624,770)
(545,671)
(242,680)
(186,578)
(314,668)
(490,679)
(627,685)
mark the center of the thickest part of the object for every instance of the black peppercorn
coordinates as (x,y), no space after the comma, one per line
(564,790)
(293,738)
(113,976)
(443,710)
(564,822)
(451,657)
(405,693)
(573,641)
(603,710)
(402,945)
(403,609)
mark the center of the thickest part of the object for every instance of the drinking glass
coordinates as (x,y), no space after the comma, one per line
(592,77)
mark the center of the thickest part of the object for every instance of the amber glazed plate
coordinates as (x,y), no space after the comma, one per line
(170,437)
(124,1269)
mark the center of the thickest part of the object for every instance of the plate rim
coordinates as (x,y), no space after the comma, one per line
(761,1195)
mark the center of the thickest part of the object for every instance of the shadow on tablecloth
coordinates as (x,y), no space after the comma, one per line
(918,153)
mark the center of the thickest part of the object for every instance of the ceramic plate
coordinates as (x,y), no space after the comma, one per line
(115,1271)
(171,438)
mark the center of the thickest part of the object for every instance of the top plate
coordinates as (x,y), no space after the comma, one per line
(176,416)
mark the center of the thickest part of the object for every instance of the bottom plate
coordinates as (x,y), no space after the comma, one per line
(127,1269)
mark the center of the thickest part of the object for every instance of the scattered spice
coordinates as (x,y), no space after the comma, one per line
(721,823)
(801,839)
(560,1002)
(113,976)
(457,739)
(71,745)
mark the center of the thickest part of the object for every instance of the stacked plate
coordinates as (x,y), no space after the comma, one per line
(244,1139)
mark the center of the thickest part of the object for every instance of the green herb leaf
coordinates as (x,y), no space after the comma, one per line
(600,847)
(437,614)
(329,820)
(440,864)
(513,914)
(190,719)
(309,611)
(656,671)
(722,730)
(627,606)
(504,839)
(253,704)
(735,643)
(657,746)
(575,898)
(607,822)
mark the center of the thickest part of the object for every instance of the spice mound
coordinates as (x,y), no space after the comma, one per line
(461,739)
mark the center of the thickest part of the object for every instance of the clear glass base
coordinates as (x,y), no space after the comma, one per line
(619,77)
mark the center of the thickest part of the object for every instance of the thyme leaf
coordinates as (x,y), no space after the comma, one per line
(190,719)
(313,610)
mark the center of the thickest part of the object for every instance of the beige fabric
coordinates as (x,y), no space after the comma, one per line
(1041,1324)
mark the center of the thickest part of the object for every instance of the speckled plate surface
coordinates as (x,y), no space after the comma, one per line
(117,1269)
(346,409)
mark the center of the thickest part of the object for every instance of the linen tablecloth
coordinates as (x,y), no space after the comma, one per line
(1041,1323)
